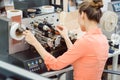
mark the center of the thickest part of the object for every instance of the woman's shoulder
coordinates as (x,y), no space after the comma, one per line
(81,40)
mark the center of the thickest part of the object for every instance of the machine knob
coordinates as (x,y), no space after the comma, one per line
(40,61)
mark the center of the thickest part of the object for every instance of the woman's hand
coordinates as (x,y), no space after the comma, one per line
(29,37)
(63,31)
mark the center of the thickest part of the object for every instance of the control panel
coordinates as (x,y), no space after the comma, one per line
(35,65)
(29,60)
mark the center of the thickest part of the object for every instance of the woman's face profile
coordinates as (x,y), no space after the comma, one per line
(81,22)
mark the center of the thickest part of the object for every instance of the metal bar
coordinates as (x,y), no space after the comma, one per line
(52,73)
(112,72)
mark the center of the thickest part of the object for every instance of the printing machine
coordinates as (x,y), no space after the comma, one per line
(19,52)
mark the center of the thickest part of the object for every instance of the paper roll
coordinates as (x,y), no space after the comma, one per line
(47,9)
(13,30)
(109,21)
(11,13)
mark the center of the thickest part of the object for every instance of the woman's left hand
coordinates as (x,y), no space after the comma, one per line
(29,37)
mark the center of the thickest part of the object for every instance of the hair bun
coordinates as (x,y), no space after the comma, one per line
(97,4)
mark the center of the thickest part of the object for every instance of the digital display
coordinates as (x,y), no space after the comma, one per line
(116,7)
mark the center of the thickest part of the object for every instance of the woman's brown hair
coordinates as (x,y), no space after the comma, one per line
(92,9)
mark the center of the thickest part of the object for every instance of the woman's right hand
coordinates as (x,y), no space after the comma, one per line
(62,30)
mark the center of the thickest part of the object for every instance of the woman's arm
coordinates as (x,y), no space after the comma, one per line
(64,33)
(75,52)
(29,37)
(68,42)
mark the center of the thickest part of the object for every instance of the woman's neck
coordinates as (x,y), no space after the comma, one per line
(90,25)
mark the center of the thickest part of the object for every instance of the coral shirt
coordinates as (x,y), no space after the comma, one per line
(88,56)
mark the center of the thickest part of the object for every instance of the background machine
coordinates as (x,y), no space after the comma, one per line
(114,6)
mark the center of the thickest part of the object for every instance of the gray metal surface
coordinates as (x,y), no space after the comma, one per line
(4,36)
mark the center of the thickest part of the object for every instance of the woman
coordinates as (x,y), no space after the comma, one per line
(88,54)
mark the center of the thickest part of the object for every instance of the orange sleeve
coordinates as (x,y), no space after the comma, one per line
(75,52)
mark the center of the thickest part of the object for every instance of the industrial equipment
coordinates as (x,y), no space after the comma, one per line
(110,25)
(115,37)
(21,53)
(50,39)
(115,7)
